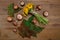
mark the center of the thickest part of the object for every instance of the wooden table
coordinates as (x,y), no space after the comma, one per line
(51,31)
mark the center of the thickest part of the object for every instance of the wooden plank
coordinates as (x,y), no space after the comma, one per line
(51,31)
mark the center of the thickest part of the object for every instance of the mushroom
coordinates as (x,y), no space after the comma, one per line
(19,16)
(35,21)
(45,13)
(22,3)
(15,30)
(15,7)
(38,7)
(15,23)
(9,19)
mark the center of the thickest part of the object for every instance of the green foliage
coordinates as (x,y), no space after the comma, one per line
(29,29)
(32,26)
(11,10)
(31,18)
(41,19)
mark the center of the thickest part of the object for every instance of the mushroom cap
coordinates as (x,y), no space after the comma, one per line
(45,13)
(15,6)
(22,3)
(9,18)
(19,16)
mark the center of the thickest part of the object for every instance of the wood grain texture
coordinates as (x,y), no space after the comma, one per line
(51,31)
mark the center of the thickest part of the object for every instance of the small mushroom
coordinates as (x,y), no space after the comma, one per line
(15,7)
(15,30)
(19,16)
(15,23)
(35,21)
(22,3)
(38,7)
(9,19)
(45,13)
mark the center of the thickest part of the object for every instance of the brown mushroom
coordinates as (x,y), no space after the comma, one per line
(19,17)
(9,19)
(15,23)
(16,7)
(45,13)
(38,7)
(35,21)
(15,30)
(22,3)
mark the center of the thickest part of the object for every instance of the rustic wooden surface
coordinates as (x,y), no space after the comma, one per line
(51,31)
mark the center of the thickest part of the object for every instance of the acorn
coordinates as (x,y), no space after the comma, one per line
(19,17)
(9,19)
(38,7)
(22,3)
(15,23)
(45,13)
(16,7)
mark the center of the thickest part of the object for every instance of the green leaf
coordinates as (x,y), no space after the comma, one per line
(31,18)
(32,27)
(38,29)
(11,9)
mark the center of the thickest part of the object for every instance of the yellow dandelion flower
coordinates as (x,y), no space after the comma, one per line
(26,8)
(30,5)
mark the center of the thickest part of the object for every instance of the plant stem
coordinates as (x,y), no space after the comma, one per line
(39,17)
